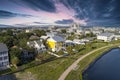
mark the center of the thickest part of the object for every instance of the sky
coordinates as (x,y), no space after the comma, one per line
(84,12)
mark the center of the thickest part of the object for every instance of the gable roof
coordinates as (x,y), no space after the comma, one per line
(3,47)
(56,39)
(106,34)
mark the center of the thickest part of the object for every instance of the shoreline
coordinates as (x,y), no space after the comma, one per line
(92,63)
(88,60)
(97,58)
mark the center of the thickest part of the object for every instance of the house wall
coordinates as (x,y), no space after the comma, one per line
(4,60)
(51,44)
(58,46)
(105,38)
(102,38)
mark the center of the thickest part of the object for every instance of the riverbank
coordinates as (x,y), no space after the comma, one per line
(85,63)
(97,58)
(105,68)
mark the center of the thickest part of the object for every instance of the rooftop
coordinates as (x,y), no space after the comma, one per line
(3,47)
(106,34)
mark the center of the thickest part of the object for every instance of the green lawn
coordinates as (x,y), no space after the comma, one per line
(53,69)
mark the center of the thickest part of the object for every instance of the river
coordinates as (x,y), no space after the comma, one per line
(106,67)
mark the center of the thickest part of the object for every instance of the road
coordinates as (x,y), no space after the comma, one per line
(74,65)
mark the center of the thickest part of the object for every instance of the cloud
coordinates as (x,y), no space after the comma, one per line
(94,10)
(39,23)
(46,5)
(64,21)
(6,14)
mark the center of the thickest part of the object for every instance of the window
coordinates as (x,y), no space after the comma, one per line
(1,58)
(1,65)
(5,57)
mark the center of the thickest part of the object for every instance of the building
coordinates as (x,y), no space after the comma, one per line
(97,32)
(4,58)
(55,43)
(117,36)
(107,37)
(28,30)
(38,45)
(79,42)
(33,37)
(68,43)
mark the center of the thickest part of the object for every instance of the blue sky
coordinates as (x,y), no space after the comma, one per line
(86,12)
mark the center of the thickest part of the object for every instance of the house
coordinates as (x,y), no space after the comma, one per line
(33,37)
(117,36)
(107,37)
(75,28)
(51,34)
(28,30)
(77,41)
(97,32)
(68,43)
(55,43)
(44,37)
(89,39)
(38,45)
(27,56)
(4,58)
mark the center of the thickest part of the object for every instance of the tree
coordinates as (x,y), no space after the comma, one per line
(40,32)
(15,61)
(9,32)
(23,35)
(15,52)
(8,40)
(23,43)
(63,30)
(90,35)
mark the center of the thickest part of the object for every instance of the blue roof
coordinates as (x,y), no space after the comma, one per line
(58,38)
(106,34)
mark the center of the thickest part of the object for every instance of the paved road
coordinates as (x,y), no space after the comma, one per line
(74,65)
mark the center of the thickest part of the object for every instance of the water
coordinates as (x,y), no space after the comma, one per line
(105,68)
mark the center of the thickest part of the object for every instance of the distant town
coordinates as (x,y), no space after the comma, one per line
(26,47)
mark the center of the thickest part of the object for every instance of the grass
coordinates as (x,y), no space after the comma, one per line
(50,70)
(77,74)
(53,69)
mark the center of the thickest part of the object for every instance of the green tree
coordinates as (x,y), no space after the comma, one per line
(9,32)
(40,32)
(23,43)
(8,40)
(63,30)
(15,61)
(15,52)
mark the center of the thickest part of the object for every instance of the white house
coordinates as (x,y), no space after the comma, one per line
(68,43)
(77,41)
(75,28)
(117,37)
(97,32)
(107,37)
(38,45)
(44,37)
(4,58)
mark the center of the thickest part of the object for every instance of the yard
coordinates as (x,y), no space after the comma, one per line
(53,69)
